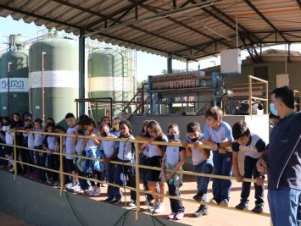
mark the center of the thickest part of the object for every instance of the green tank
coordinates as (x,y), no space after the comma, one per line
(14,78)
(53,73)
(108,76)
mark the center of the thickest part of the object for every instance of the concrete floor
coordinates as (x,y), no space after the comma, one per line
(217,216)
(7,220)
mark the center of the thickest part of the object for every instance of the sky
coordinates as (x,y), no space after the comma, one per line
(144,67)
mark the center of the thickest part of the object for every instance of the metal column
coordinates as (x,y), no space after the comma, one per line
(169,64)
(82,71)
(169,71)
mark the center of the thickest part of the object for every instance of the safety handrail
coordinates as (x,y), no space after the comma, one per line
(136,165)
(266,99)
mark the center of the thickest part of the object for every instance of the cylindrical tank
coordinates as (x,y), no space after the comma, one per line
(14,78)
(53,73)
(109,76)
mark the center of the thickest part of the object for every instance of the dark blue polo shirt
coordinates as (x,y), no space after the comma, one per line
(284,153)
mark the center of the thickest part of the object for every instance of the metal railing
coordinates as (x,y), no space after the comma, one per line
(266,99)
(137,166)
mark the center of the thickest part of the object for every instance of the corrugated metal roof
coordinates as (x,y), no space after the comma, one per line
(186,29)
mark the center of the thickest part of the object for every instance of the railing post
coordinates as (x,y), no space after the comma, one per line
(15,156)
(61,166)
(137,180)
(250,95)
(267,97)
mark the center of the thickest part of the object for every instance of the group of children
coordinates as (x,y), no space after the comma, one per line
(224,142)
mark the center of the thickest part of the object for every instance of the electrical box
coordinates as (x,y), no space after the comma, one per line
(231,61)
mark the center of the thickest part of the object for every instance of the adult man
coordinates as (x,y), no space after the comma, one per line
(283,160)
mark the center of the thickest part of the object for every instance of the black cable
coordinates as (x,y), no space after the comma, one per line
(77,216)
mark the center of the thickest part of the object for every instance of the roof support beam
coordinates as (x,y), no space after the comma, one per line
(79,28)
(117,12)
(106,18)
(184,25)
(36,15)
(265,19)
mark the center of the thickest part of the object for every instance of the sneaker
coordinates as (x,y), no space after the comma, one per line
(97,192)
(69,185)
(76,188)
(179,216)
(242,206)
(257,209)
(171,216)
(159,208)
(109,200)
(214,202)
(132,204)
(202,211)
(198,197)
(116,201)
(74,185)
(224,203)
(149,202)
(91,191)
(11,169)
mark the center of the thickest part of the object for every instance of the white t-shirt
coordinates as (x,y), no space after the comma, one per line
(69,143)
(221,134)
(9,137)
(173,154)
(196,155)
(38,138)
(108,147)
(126,150)
(30,140)
(91,145)
(252,146)
(152,148)
(79,147)
(52,143)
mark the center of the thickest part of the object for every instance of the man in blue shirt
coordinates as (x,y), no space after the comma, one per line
(283,160)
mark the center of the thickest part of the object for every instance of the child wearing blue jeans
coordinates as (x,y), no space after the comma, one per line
(173,160)
(202,163)
(218,135)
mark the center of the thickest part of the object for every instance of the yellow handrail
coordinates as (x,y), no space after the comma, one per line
(136,165)
(266,99)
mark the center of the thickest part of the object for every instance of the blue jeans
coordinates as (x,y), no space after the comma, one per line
(222,166)
(175,205)
(284,204)
(113,177)
(202,182)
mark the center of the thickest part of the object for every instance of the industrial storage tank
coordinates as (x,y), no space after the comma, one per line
(53,73)
(14,78)
(110,74)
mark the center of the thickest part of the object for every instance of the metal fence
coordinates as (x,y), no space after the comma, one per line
(137,166)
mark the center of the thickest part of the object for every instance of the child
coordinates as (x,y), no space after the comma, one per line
(71,183)
(109,149)
(80,150)
(93,167)
(9,140)
(143,161)
(51,145)
(115,127)
(39,157)
(126,154)
(28,126)
(202,162)
(155,153)
(173,159)
(218,135)
(254,147)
